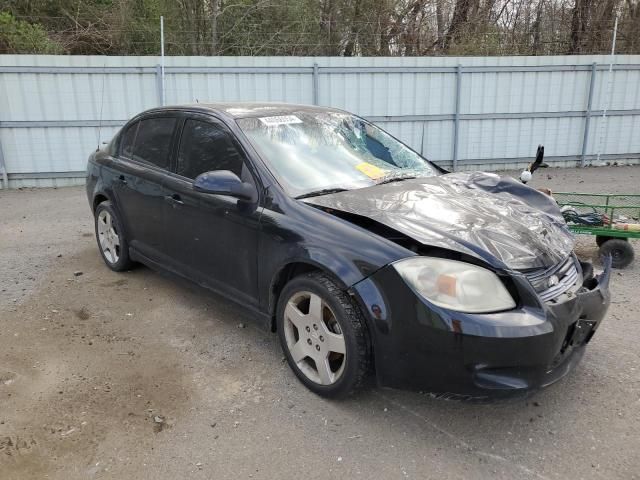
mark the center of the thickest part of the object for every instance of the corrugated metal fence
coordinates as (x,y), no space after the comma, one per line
(467,112)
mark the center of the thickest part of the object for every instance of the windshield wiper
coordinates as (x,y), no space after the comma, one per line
(317,193)
(394,178)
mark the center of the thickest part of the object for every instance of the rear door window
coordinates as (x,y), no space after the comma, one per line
(207,146)
(153,141)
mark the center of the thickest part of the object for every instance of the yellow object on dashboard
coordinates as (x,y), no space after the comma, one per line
(370,170)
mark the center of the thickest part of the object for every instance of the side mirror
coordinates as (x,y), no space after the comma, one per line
(225,182)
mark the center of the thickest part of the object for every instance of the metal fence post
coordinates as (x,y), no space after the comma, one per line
(5,175)
(456,117)
(587,119)
(159,83)
(164,95)
(315,84)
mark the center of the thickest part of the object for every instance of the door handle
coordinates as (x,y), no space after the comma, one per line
(122,179)
(174,199)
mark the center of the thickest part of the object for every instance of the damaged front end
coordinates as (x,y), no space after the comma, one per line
(574,315)
(493,219)
(510,229)
(485,356)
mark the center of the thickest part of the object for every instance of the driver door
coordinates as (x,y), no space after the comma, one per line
(212,239)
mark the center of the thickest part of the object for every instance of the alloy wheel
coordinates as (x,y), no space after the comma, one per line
(314,338)
(108,237)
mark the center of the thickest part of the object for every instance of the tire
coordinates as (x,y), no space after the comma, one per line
(315,320)
(600,239)
(112,243)
(620,250)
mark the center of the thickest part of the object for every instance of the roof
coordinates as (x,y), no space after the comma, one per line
(251,109)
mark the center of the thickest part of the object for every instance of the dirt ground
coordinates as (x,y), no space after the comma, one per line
(136,375)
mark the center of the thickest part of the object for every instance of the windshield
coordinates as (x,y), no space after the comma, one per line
(315,151)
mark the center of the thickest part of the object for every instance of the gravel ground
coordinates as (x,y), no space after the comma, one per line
(136,375)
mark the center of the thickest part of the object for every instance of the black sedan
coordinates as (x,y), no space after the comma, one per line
(364,257)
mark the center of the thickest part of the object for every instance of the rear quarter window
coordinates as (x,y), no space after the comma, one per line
(128,141)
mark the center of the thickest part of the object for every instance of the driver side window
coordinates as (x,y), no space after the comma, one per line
(204,147)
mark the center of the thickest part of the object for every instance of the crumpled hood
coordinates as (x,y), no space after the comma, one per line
(496,219)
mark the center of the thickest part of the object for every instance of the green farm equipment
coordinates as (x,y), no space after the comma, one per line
(613,219)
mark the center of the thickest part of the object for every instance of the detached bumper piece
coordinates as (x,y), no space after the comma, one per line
(481,357)
(593,299)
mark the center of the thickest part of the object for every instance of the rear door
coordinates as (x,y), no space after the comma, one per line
(143,163)
(213,238)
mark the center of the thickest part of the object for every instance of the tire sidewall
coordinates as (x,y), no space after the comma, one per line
(123,262)
(349,376)
(621,245)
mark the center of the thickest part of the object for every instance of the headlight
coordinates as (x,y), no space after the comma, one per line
(455,285)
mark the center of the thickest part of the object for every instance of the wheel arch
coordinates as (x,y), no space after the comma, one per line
(102,195)
(98,198)
(289,271)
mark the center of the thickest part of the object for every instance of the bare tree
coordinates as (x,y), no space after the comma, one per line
(322,27)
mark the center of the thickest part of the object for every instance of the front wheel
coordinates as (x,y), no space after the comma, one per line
(323,335)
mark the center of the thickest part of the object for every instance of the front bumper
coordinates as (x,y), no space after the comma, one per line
(478,356)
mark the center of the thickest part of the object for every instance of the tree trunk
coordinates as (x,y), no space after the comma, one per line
(326,21)
(579,22)
(537,25)
(458,22)
(440,23)
(350,47)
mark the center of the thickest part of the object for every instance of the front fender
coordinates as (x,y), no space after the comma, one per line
(341,269)
(304,234)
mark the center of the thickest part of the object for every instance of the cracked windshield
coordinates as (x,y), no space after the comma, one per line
(317,153)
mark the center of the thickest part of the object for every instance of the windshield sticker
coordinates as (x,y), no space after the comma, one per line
(370,170)
(280,120)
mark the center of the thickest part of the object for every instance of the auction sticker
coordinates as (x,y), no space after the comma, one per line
(370,170)
(280,120)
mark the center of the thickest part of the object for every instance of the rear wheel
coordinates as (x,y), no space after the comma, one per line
(323,335)
(110,236)
(620,250)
